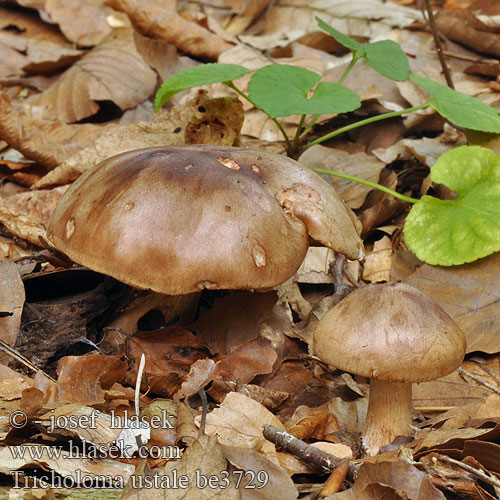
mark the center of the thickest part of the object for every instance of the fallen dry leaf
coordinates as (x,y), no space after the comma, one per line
(269,481)
(11,304)
(188,477)
(391,481)
(82,21)
(161,20)
(26,214)
(84,379)
(469,294)
(464,27)
(170,352)
(200,121)
(112,71)
(238,422)
(378,261)
(359,164)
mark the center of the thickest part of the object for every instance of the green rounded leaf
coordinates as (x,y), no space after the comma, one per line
(387,58)
(346,41)
(462,110)
(281,90)
(204,74)
(452,232)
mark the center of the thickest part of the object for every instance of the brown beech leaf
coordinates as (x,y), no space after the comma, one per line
(170,352)
(200,374)
(464,27)
(390,481)
(275,484)
(200,121)
(317,425)
(41,56)
(238,319)
(161,20)
(244,362)
(26,214)
(82,21)
(358,164)
(470,295)
(238,422)
(47,142)
(204,459)
(84,379)
(11,303)
(112,71)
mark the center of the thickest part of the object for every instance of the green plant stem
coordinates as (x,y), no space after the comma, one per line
(372,119)
(289,147)
(298,134)
(373,185)
(349,68)
(310,125)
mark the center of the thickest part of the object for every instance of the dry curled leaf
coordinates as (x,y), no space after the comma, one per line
(47,142)
(112,71)
(319,425)
(161,20)
(200,121)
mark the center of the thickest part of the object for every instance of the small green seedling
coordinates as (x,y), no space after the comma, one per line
(443,232)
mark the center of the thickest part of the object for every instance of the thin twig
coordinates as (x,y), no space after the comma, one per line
(303,451)
(476,472)
(437,42)
(478,380)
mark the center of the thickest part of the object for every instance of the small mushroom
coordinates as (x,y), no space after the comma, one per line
(179,219)
(394,335)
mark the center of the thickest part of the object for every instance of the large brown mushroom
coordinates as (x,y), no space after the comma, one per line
(394,335)
(179,219)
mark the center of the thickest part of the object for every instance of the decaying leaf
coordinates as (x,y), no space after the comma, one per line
(82,21)
(469,294)
(26,214)
(161,20)
(11,303)
(112,71)
(200,121)
(391,481)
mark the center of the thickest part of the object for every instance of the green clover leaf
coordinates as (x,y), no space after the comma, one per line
(462,110)
(453,232)
(204,74)
(281,90)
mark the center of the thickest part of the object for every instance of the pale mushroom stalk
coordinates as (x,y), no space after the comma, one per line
(389,414)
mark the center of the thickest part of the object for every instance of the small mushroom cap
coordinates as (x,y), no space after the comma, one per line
(390,332)
(179,219)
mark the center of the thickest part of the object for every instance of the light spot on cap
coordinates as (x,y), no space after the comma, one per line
(188,166)
(259,255)
(128,206)
(227,162)
(70,228)
(256,169)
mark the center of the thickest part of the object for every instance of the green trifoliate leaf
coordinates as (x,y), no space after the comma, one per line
(452,232)
(281,90)
(204,74)
(462,110)
(346,41)
(387,58)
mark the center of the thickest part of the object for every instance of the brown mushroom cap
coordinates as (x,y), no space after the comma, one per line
(390,332)
(178,219)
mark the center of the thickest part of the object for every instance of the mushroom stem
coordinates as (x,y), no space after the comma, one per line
(389,414)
